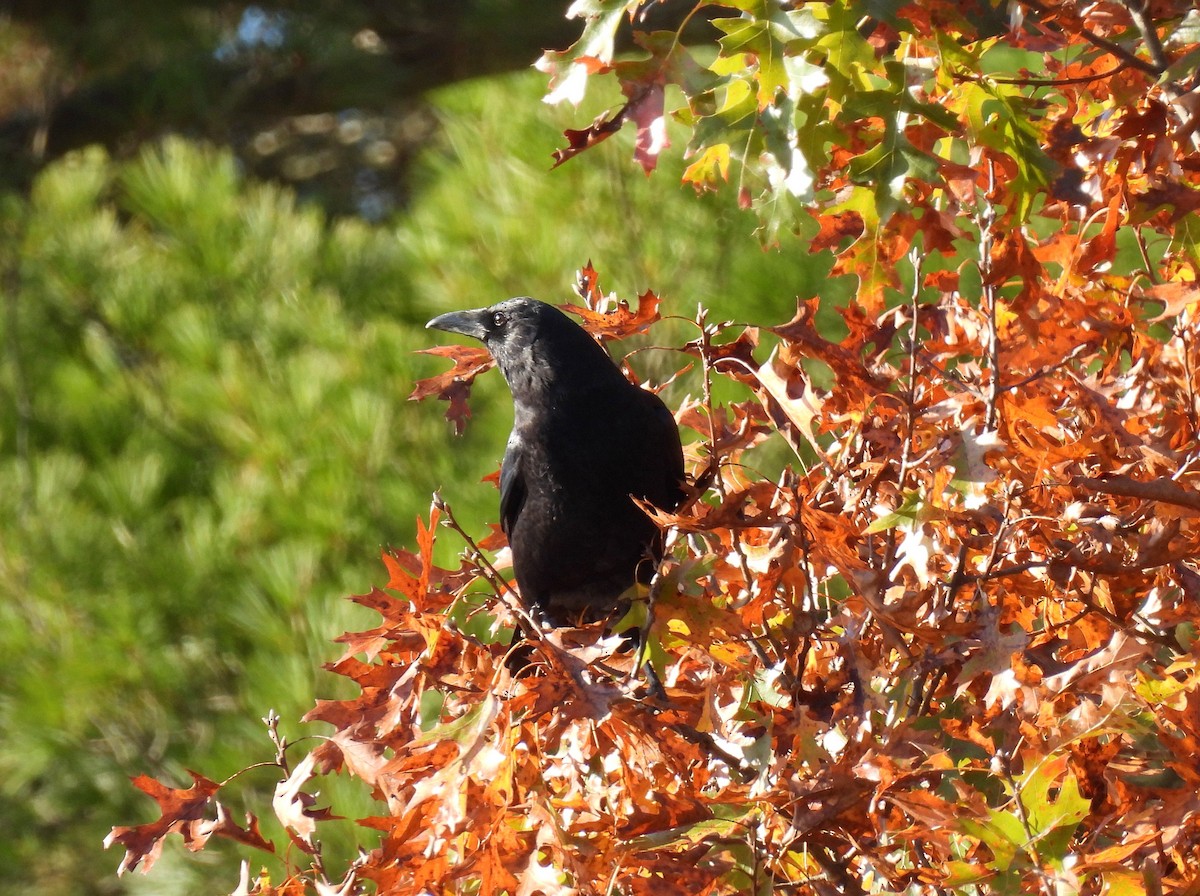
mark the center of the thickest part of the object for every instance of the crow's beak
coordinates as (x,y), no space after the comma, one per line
(468,323)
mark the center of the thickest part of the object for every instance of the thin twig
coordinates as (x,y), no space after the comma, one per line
(987,221)
(281,744)
(1137,12)
(1046,371)
(1145,253)
(1120,624)
(910,400)
(504,591)
(1108,46)
(974,578)
(1162,490)
(1004,766)
(744,773)
(719,480)
(1039,82)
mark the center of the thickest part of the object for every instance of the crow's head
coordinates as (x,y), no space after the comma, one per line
(535,345)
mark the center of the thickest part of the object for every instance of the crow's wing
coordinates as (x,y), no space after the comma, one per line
(665,441)
(658,476)
(512,485)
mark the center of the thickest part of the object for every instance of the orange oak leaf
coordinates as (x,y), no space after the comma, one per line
(454,385)
(620,322)
(182,813)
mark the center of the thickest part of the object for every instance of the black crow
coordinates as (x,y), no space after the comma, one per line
(585,441)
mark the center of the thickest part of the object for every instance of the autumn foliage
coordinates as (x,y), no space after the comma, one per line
(953,645)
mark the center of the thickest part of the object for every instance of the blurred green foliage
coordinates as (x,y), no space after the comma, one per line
(208,446)
(208,441)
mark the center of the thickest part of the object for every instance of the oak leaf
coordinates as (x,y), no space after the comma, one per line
(454,385)
(182,812)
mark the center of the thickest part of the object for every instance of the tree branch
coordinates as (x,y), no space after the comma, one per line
(1164,491)
(1113,49)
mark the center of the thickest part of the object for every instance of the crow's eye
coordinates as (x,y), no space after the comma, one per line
(499,318)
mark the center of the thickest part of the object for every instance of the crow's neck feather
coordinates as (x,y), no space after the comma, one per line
(545,376)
